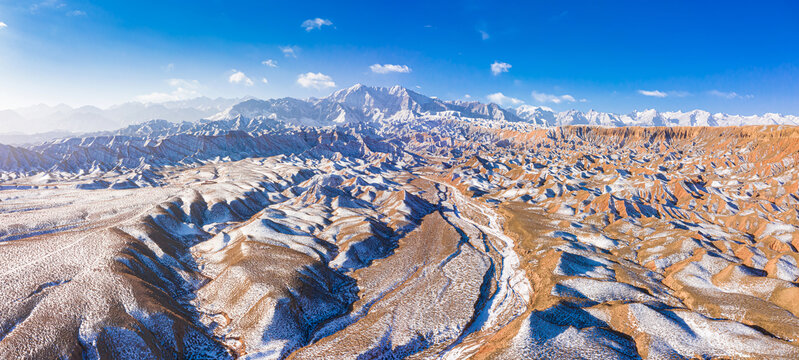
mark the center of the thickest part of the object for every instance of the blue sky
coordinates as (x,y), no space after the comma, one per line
(619,56)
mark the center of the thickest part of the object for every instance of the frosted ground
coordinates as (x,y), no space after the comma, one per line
(413,228)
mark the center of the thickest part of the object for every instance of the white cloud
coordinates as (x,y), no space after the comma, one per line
(181,90)
(502,100)
(3,25)
(289,51)
(388,68)
(317,23)
(76,13)
(555,99)
(662,94)
(169,67)
(729,95)
(270,63)
(499,67)
(315,80)
(264,80)
(467,96)
(483,34)
(238,77)
(47,4)
(653,93)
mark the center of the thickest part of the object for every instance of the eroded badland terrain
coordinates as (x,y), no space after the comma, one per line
(442,239)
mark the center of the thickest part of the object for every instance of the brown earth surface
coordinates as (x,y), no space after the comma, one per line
(439,240)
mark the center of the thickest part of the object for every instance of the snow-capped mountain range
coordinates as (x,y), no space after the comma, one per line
(356,104)
(361,103)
